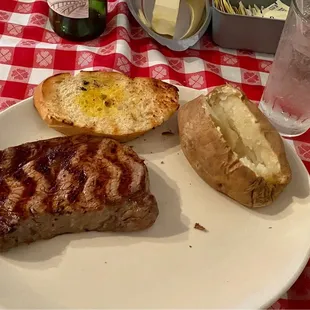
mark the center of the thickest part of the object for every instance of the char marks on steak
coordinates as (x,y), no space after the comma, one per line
(72,184)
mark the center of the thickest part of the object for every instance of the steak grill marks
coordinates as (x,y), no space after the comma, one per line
(81,179)
(21,156)
(4,191)
(49,167)
(50,157)
(29,189)
(126,177)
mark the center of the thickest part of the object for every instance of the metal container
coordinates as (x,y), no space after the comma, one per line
(184,18)
(256,34)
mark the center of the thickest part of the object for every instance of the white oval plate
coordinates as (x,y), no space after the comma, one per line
(247,259)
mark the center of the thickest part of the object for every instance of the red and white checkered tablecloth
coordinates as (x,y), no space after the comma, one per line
(31,52)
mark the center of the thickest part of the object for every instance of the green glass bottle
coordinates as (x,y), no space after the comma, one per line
(78,20)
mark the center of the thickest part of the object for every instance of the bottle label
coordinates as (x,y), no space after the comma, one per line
(70,8)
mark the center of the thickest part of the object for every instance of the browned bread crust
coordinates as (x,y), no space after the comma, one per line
(127,108)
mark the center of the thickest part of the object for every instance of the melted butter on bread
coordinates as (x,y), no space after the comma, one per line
(99,97)
(105,103)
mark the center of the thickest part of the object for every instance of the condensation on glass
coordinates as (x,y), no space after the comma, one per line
(78,20)
(286,97)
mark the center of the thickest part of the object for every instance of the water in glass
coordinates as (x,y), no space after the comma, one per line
(286,99)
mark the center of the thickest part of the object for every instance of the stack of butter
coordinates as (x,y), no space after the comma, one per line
(172,22)
(165,17)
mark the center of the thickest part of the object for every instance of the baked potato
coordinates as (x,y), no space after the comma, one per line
(233,147)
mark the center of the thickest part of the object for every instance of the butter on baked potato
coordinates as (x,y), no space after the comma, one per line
(233,147)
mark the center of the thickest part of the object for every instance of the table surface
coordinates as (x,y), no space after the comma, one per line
(30,52)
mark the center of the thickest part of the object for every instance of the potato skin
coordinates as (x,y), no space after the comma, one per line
(214,161)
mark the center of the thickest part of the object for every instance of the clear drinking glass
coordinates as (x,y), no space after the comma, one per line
(286,98)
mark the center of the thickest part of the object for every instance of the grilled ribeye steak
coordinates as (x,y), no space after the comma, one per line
(72,184)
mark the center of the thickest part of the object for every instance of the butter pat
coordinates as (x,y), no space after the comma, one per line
(197,8)
(165,16)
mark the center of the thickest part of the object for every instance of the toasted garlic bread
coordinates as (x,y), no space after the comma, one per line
(233,147)
(109,104)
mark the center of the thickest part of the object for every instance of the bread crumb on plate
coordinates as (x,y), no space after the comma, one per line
(167,133)
(200,227)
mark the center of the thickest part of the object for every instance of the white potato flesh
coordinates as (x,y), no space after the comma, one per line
(242,132)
